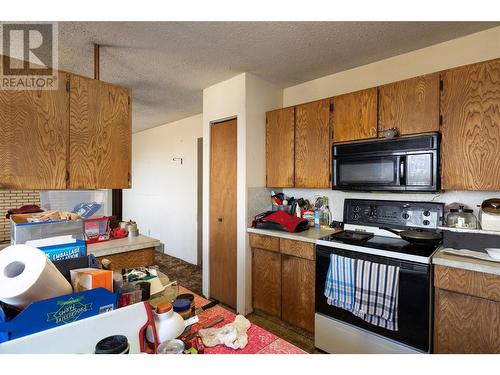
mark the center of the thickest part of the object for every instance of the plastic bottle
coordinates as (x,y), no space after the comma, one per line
(317,219)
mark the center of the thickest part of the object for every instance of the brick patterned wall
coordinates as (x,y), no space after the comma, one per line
(14,199)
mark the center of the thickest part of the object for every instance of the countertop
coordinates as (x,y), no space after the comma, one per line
(310,235)
(122,245)
(471,264)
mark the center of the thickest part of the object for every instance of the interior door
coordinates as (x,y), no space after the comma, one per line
(223,212)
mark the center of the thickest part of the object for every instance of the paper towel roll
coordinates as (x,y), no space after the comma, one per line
(27,275)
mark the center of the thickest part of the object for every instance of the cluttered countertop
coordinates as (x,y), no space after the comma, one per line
(294,219)
(309,235)
(57,297)
(116,246)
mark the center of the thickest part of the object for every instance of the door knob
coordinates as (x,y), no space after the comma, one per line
(219,220)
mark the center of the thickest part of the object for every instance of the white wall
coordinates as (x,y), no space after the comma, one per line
(163,198)
(248,98)
(223,101)
(261,96)
(473,48)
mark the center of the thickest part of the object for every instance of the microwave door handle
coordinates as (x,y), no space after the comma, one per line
(402,170)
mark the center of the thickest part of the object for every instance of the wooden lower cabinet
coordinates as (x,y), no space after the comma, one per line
(266,281)
(297,296)
(466,311)
(283,279)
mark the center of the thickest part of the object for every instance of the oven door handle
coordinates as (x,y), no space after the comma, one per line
(402,170)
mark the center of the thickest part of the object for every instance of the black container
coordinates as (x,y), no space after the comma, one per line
(146,290)
(470,240)
(64,266)
(117,344)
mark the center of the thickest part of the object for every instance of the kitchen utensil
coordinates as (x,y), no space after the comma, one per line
(461,218)
(190,297)
(493,252)
(489,215)
(182,306)
(216,320)
(417,236)
(171,347)
(206,307)
(131,227)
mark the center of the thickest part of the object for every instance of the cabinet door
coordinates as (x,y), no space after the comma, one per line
(355,116)
(266,281)
(298,292)
(312,145)
(470,106)
(411,106)
(280,150)
(100,135)
(465,324)
(34,139)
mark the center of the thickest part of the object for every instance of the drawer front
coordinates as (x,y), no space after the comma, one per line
(259,241)
(298,249)
(478,284)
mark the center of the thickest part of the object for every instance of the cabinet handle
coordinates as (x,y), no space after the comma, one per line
(219,220)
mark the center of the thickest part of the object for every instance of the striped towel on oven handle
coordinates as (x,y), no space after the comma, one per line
(340,282)
(376,296)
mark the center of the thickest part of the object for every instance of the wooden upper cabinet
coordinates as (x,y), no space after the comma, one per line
(34,138)
(312,145)
(355,116)
(410,106)
(280,149)
(100,134)
(470,106)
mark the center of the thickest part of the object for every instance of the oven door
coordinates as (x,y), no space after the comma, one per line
(382,172)
(414,312)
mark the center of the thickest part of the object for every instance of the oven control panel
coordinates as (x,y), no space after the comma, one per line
(393,214)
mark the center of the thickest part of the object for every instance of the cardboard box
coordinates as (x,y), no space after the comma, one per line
(91,278)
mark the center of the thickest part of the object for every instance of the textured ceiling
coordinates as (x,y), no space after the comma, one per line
(168,64)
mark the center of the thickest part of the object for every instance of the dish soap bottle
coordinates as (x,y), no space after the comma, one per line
(326,217)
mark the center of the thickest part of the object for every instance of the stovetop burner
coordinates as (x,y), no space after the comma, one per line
(351,235)
(397,245)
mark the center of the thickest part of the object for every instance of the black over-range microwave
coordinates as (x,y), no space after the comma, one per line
(408,164)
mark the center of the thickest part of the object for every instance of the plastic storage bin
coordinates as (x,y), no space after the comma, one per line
(86,203)
(23,231)
(97,229)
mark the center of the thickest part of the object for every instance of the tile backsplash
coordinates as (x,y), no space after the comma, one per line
(14,199)
(336,198)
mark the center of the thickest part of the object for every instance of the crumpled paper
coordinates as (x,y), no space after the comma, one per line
(233,335)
